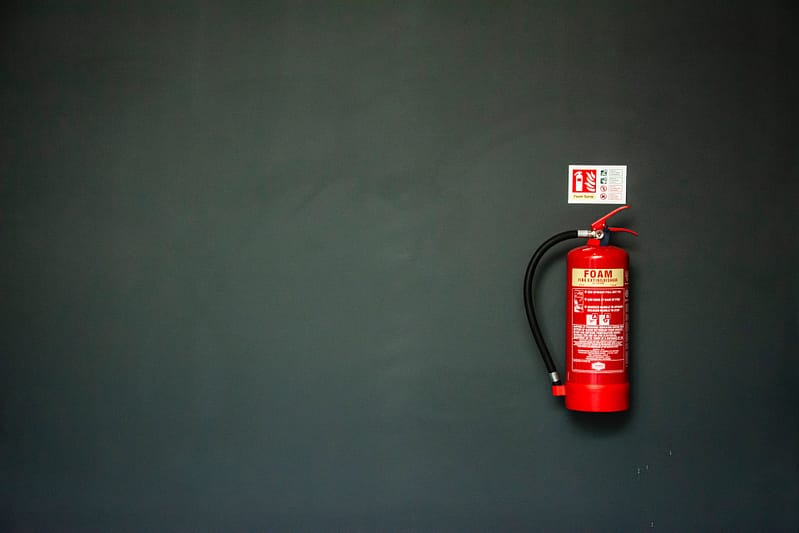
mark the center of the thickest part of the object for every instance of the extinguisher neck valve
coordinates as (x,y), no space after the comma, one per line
(599,235)
(596,237)
(591,233)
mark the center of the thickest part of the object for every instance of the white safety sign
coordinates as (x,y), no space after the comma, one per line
(597,184)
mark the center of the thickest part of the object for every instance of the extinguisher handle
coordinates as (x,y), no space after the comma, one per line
(602,222)
(625,230)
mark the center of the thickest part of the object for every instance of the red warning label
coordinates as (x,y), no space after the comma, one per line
(598,316)
(583,179)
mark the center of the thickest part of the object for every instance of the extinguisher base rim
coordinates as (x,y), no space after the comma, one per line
(596,398)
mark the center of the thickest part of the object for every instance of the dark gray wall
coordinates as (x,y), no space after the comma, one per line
(261,265)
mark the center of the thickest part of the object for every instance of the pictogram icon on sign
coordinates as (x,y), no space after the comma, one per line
(603,196)
(583,180)
(579,301)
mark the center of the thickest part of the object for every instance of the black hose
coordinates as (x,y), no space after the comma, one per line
(529,307)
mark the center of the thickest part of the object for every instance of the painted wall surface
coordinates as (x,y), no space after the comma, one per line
(262,263)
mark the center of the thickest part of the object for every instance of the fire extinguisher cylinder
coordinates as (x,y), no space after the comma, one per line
(597,319)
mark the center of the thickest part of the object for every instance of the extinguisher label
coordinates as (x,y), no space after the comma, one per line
(597,184)
(598,277)
(598,327)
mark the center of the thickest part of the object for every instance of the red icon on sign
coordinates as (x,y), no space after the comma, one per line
(583,180)
(603,196)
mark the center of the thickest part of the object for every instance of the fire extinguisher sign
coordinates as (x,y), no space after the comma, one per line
(597,184)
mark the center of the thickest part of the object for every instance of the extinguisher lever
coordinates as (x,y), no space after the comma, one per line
(625,230)
(601,232)
(602,223)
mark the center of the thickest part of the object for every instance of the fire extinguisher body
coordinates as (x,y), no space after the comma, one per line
(597,311)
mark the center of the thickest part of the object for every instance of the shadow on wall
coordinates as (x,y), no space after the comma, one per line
(601,423)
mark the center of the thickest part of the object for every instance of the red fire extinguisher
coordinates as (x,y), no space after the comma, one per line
(597,310)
